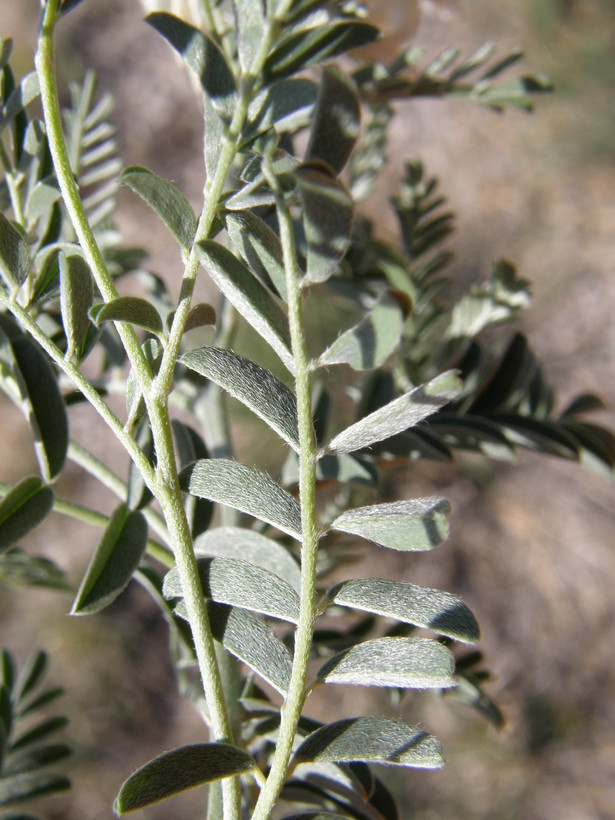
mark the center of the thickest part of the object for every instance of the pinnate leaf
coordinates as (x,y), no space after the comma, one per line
(165,200)
(252,385)
(252,300)
(416,663)
(116,558)
(130,309)
(240,584)
(414,525)
(23,509)
(178,770)
(243,488)
(201,55)
(395,417)
(408,603)
(371,740)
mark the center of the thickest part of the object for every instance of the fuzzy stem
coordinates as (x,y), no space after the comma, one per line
(44,61)
(166,485)
(295,699)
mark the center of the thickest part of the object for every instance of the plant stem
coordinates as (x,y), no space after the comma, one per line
(295,699)
(44,61)
(89,516)
(165,487)
(82,384)
(78,454)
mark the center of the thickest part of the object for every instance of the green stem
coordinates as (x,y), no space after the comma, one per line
(295,698)
(89,516)
(166,484)
(170,498)
(78,454)
(44,61)
(82,384)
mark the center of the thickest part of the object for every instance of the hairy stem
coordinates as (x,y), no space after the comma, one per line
(295,699)
(166,485)
(44,61)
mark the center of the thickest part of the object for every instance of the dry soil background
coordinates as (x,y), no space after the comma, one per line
(532,547)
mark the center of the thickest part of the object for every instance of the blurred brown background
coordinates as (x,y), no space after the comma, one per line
(532,544)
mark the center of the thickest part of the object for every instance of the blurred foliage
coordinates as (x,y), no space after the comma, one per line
(579,40)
